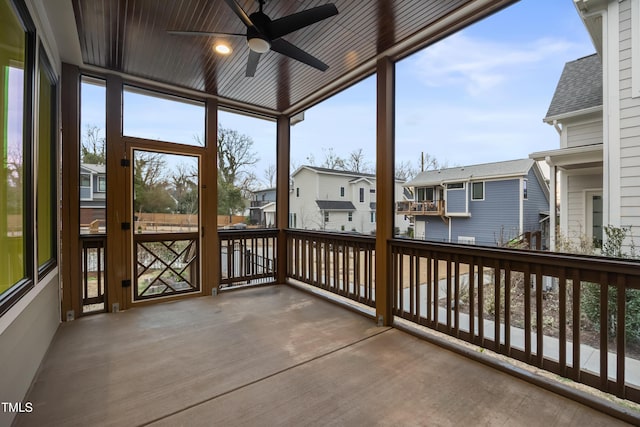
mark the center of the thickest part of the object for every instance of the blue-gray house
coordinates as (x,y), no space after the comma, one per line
(488,204)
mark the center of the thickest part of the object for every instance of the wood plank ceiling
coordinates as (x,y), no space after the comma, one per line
(130,36)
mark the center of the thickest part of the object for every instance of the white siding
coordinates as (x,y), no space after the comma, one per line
(584,133)
(629,125)
(575,209)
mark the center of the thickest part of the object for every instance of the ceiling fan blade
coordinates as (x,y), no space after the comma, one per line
(252,63)
(288,24)
(202,33)
(284,47)
(240,13)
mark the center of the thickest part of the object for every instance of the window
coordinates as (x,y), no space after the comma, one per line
(372,191)
(185,117)
(297,191)
(373,216)
(425,194)
(341,191)
(350,216)
(455,186)
(326,216)
(16,80)
(524,189)
(477,191)
(46,167)
(361,195)
(102,184)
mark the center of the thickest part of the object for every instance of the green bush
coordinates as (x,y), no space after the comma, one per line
(590,301)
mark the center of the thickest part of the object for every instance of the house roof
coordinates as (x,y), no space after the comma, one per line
(356,175)
(100,169)
(579,87)
(335,205)
(504,169)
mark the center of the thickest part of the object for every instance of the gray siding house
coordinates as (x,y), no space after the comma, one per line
(488,204)
(93,196)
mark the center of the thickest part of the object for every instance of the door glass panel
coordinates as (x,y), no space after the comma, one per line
(166,224)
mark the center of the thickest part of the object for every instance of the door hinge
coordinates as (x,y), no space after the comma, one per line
(126,283)
(125,163)
(126,225)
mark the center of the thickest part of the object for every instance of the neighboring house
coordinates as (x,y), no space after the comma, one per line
(487,204)
(93,195)
(329,199)
(596,110)
(262,209)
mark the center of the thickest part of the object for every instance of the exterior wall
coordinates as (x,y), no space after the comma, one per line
(494,219)
(326,186)
(584,133)
(456,200)
(304,205)
(434,229)
(629,104)
(573,217)
(537,201)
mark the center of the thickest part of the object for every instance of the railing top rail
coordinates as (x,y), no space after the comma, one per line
(584,262)
(159,237)
(251,232)
(334,235)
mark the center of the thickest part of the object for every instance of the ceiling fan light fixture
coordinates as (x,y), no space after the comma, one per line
(258,45)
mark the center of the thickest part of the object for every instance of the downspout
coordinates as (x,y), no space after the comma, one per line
(521,207)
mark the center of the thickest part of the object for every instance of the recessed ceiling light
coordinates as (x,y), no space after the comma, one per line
(222,49)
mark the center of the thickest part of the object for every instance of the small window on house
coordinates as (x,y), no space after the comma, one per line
(524,189)
(373,216)
(372,191)
(350,216)
(326,216)
(341,191)
(455,185)
(102,184)
(297,191)
(477,191)
(362,195)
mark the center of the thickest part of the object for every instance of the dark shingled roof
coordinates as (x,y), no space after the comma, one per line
(335,205)
(580,86)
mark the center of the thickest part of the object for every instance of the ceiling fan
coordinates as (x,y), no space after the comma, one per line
(264,34)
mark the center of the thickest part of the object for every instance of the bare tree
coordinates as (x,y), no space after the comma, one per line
(357,162)
(332,160)
(93,149)
(235,155)
(270,175)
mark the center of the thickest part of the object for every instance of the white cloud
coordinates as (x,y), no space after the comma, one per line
(481,65)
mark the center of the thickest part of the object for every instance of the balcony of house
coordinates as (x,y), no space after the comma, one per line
(424,207)
(264,351)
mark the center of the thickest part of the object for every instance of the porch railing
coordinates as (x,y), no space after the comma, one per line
(247,257)
(425,207)
(570,315)
(340,263)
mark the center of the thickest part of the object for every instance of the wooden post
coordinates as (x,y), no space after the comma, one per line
(118,250)
(210,259)
(70,251)
(385,183)
(282,195)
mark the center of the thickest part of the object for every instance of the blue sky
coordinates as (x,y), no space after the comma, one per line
(476,96)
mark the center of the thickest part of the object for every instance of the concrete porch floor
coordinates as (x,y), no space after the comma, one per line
(273,356)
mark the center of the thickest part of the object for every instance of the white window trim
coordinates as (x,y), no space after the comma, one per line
(104,178)
(483,191)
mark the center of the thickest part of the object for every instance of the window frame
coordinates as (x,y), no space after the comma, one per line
(473,195)
(456,186)
(350,216)
(47,68)
(26,283)
(341,191)
(361,194)
(525,194)
(102,179)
